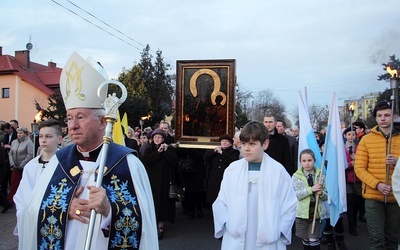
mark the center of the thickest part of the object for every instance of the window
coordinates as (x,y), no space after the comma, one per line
(5,93)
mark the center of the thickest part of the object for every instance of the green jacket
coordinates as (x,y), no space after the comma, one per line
(304,193)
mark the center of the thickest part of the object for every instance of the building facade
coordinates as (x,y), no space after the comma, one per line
(363,107)
(23,82)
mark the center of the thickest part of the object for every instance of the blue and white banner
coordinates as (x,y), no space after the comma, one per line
(335,157)
(306,133)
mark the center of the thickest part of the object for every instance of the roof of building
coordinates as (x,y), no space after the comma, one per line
(44,78)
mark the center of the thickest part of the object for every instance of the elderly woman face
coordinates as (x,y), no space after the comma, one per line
(158,139)
(20,134)
(225,143)
(130,135)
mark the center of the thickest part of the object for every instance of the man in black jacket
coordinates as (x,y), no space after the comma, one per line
(278,147)
(281,128)
(9,135)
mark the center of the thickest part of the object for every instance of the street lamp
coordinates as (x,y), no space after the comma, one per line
(351,113)
(35,130)
(351,109)
(394,85)
(141,122)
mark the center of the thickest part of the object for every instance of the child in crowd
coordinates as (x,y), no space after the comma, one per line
(256,205)
(50,136)
(353,184)
(307,184)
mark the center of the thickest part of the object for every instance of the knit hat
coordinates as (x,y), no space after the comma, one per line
(79,82)
(381,106)
(158,131)
(226,137)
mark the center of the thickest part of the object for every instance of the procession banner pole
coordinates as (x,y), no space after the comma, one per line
(317,195)
(316,206)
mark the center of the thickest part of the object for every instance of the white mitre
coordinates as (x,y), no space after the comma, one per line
(79,81)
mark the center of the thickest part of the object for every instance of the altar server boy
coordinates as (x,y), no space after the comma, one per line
(256,205)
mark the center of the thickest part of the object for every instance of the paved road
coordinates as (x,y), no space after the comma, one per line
(7,223)
(184,234)
(198,234)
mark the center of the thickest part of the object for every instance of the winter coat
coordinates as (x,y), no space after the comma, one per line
(303,192)
(21,153)
(370,163)
(351,176)
(194,180)
(279,150)
(161,168)
(215,169)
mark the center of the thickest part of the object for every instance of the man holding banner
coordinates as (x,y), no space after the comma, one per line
(376,158)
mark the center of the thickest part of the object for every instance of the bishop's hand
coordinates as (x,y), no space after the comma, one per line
(98,200)
(78,210)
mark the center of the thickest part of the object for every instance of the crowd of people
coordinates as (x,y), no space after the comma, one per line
(259,188)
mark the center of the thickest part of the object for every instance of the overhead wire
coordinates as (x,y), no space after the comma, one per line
(101,28)
(106,23)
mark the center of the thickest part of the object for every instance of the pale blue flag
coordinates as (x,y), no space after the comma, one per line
(336,164)
(306,133)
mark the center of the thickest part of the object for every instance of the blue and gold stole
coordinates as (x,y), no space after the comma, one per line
(126,223)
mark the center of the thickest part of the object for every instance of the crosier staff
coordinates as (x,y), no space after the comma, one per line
(110,104)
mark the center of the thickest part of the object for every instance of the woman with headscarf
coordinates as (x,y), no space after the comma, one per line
(160,161)
(21,153)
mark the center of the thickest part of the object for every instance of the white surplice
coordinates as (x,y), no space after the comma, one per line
(265,214)
(32,171)
(396,182)
(27,213)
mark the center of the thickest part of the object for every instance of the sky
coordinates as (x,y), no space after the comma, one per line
(284,46)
